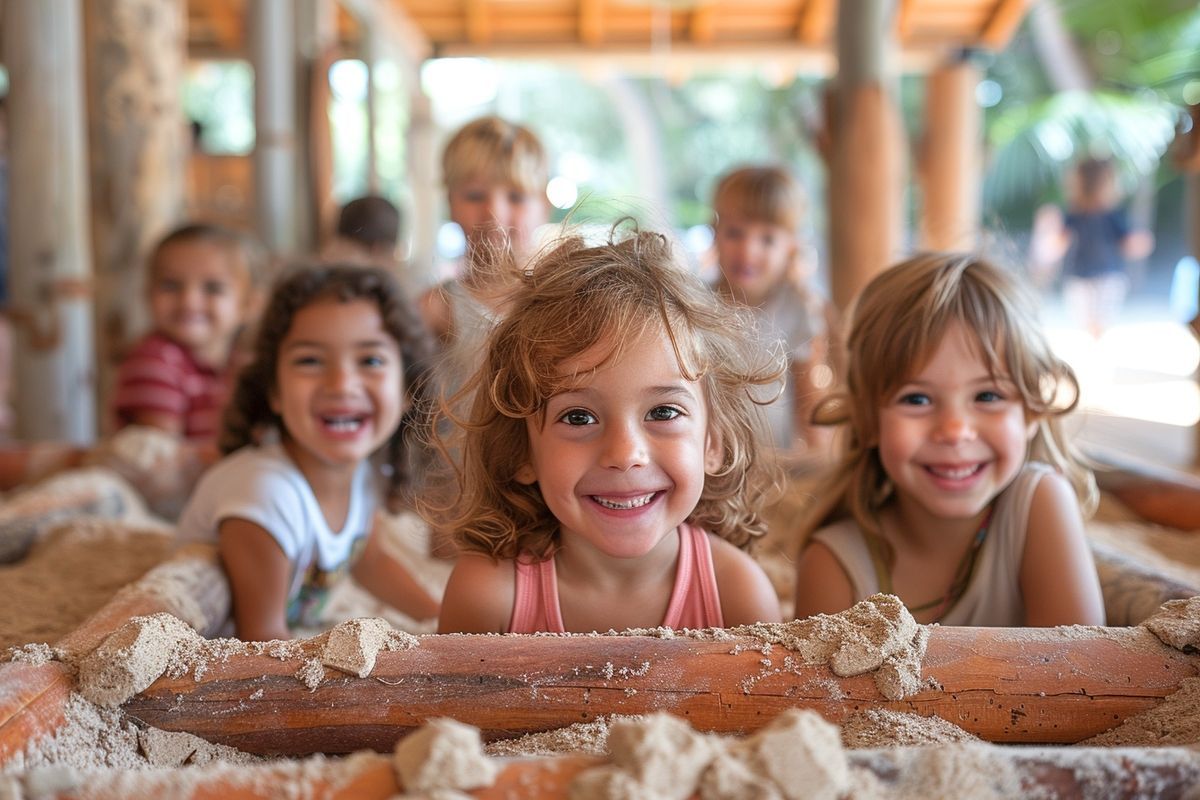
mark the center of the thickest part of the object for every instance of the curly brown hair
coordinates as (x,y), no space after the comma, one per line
(573,297)
(249,412)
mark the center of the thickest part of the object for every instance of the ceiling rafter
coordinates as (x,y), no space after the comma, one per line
(703,25)
(1005,18)
(816,19)
(591,22)
(479,22)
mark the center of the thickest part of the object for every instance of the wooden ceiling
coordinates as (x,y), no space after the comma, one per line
(755,29)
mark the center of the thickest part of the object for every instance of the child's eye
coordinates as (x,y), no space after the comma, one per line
(914,399)
(989,396)
(577,416)
(663,413)
(306,361)
(214,289)
(373,360)
(516,198)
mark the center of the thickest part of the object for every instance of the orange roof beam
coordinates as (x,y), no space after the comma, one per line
(1003,22)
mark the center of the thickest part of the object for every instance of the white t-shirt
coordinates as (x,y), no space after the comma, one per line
(263,485)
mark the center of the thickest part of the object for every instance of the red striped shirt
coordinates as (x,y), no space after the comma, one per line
(161,376)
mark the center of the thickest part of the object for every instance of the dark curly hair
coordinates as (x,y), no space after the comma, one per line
(249,413)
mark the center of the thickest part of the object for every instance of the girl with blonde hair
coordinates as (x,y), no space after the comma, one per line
(956,490)
(612,461)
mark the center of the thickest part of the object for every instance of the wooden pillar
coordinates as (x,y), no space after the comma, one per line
(950,167)
(49,250)
(139,150)
(316,36)
(863,148)
(272,25)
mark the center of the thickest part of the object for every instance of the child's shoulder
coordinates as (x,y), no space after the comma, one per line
(479,595)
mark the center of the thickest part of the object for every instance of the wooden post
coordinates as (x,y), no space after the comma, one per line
(950,165)
(33,698)
(50,262)
(139,150)
(425,190)
(316,36)
(863,146)
(273,47)
(1004,685)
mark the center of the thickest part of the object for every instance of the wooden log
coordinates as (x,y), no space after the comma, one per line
(899,772)
(1003,685)
(30,513)
(33,699)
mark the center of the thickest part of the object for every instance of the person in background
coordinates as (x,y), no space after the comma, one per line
(610,464)
(757,212)
(336,378)
(367,232)
(496,173)
(200,288)
(1094,241)
(956,490)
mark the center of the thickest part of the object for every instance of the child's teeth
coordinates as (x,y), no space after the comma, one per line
(344,423)
(953,474)
(618,505)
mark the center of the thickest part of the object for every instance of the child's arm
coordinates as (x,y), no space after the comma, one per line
(479,596)
(747,595)
(1058,578)
(386,578)
(259,573)
(821,583)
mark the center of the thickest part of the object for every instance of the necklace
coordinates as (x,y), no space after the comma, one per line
(958,585)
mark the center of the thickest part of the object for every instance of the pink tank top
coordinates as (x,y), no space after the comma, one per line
(694,603)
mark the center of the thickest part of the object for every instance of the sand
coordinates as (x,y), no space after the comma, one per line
(73,569)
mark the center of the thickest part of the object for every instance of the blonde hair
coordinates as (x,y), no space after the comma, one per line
(764,193)
(896,323)
(498,151)
(572,298)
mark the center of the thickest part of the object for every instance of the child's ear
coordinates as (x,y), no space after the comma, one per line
(714,452)
(526,474)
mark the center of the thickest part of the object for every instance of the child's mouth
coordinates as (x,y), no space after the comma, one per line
(953,472)
(343,424)
(626,503)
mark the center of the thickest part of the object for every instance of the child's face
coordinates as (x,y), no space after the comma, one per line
(753,255)
(953,437)
(621,458)
(488,212)
(198,294)
(339,384)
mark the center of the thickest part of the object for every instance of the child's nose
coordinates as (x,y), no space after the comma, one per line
(341,377)
(954,427)
(625,448)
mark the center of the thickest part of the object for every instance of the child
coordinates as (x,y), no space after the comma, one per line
(496,174)
(610,463)
(368,231)
(757,216)
(1094,240)
(957,491)
(337,360)
(200,290)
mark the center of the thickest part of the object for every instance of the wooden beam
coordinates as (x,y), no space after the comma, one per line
(591,22)
(228,22)
(479,23)
(1004,685)
(398,27)
(816,18)
(33,698)
(999,28)
(703,26)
